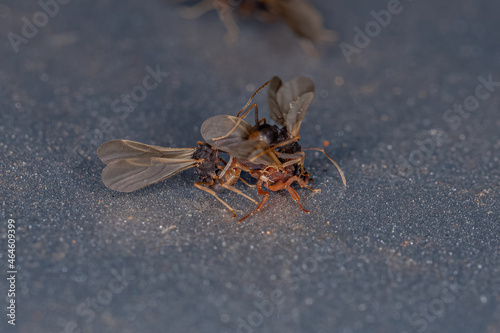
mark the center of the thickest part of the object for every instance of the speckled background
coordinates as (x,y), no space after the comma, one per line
(412,245)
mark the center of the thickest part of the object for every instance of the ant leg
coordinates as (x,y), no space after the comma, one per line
(293,158)
(295,197)
(244,182)
(256,112)
(243,168)
(240,119)
(302,162)
(331,160)
(297,179)
(204,187)
(286,156)
(251,98)
(262,203)
(302,183)
(197,10)
(313,189)
(287,185)
(222,160)
(228,165)
(272,149)
(235,190)
(227,19)
(246,112)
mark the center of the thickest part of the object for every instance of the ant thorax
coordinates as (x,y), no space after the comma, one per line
(207,168)
(275,175)
(274,136)
(270,134)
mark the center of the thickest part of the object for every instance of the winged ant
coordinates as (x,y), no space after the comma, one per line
(269,153)
(132,165)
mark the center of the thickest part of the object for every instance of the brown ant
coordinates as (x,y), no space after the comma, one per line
(267,152)
(132,165)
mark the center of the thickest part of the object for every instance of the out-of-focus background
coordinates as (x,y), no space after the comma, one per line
(409,111)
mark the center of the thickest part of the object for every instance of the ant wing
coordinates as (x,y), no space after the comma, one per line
(225,132)
(115,150)
(306,21)
(288,102)
(233,135)
(257,152)
(133,165)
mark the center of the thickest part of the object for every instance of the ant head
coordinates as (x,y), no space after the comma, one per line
(206,152)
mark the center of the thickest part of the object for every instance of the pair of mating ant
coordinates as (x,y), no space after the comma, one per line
(269,153)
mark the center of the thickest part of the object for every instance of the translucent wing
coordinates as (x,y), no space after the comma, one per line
(133,165)
(288,102)
(121,149)
(305,20)
(234,136)
(215,132)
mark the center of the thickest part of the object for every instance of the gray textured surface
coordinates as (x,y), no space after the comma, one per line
(408,247)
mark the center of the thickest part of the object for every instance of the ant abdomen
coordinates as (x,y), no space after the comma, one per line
(231,176)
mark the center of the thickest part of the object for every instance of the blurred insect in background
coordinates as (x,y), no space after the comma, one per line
(300,16)
(132,165)
(269,153)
